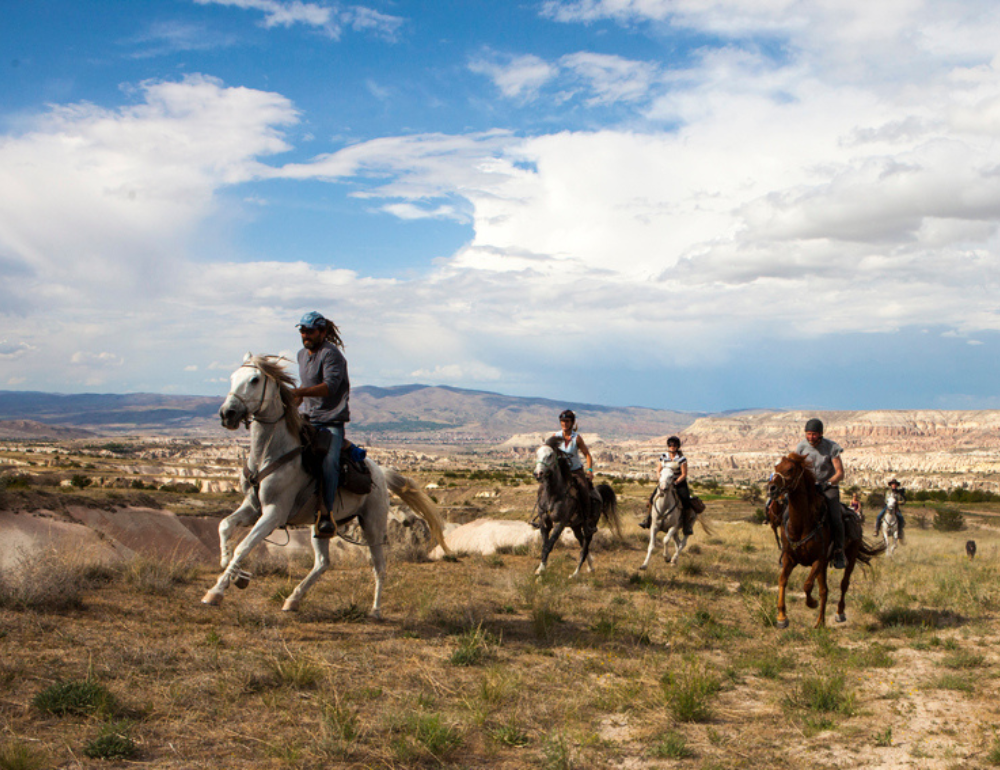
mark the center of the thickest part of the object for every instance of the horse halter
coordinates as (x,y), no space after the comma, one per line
(253,415)
(786,483)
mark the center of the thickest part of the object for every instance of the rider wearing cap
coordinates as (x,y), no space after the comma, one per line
(824,457)
(324,390)
(900,494)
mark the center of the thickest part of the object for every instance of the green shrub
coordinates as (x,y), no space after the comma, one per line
(79,698)
(689,692)
(114,742)
(947,519)
(80,481)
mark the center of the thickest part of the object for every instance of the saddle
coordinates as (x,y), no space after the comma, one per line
(354,473)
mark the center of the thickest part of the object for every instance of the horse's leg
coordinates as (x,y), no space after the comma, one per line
(670,537)
(583,538)
(550,541)
(787,565)
(374,523)
(654,526)
(242,517)
(680,541)
(265,525)
(811,602)
(321,563)
(823,592)
(845,583)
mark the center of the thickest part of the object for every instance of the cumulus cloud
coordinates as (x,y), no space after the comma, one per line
(517,77)
(83,358)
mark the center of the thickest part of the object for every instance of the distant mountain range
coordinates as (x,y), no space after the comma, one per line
(405,410)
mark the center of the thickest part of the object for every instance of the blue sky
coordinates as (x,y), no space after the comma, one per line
(696,204)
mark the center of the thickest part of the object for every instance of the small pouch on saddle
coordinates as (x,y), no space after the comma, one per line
(697,505)
(354,473)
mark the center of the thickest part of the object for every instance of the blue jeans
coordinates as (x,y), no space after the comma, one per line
(331,463)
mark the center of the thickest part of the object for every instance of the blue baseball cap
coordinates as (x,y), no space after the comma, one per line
(312,320)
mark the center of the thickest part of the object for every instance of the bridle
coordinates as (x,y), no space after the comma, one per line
(784,489)
(253,415)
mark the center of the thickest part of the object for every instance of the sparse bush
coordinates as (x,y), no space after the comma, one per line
(689,692)
(42,582)
(826,694)
(15,755)
(114,742)
(157,576)
(80,481)
(474,646)
(948,519)
(671,745)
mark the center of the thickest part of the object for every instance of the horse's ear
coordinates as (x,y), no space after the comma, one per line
(247,357)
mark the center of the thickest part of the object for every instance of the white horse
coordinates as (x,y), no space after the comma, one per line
(285,494)
(890,523)
(666,516)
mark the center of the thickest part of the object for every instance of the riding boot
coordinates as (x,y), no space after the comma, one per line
(687,519)
(325,528)
(836,527)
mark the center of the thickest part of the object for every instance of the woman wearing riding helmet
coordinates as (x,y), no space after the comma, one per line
(674,455)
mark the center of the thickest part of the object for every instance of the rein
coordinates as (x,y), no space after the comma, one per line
(794,545)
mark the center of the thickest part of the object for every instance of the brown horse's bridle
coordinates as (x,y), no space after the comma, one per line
(786,486)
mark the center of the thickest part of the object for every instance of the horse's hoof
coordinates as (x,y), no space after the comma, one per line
(290,605)
(375,614)
(242,580)
(840,618)
(212,599)
(643,566)
(782,623)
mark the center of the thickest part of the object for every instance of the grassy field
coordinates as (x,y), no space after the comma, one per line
(479,665)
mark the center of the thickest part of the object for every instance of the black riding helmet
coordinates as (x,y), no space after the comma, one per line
(814,425)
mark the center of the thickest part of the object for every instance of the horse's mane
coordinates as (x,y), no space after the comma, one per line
(803,462)
(272,367)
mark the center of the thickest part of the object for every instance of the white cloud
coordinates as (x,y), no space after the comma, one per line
(332,19)
(465,372)
(83,358)
(281,14)
(517,77)
(14,349)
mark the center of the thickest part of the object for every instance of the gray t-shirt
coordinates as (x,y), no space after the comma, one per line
(820,457)
(325,364)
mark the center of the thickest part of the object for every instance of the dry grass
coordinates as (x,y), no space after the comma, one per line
(477,664)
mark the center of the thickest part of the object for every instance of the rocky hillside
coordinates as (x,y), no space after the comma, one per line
(923,448)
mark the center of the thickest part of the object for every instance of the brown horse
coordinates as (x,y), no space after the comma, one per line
(806,537)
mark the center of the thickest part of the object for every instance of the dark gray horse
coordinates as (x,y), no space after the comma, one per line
(561,504)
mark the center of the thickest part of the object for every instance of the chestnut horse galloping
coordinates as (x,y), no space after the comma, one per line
(806,538)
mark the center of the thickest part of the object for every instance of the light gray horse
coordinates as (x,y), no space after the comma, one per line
(890,523)
(666,516)
(285,494)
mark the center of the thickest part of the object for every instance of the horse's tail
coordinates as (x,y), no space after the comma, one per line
(706,524)
(609,508)
(419,503)
(868,551)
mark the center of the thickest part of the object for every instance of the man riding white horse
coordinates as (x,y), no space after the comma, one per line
(824,457)
(900,495)
(323,392)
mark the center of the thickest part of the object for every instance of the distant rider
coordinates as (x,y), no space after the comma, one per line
(824,457)
(674,455)
(323,392)
(900,494)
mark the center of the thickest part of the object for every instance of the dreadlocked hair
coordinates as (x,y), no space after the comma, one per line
(333,334)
